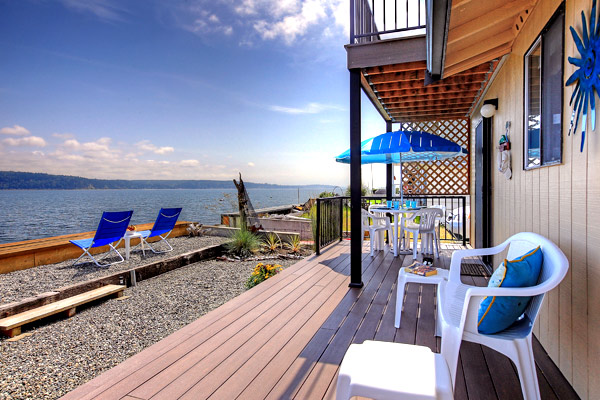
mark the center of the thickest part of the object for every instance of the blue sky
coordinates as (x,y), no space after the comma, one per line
(188,89)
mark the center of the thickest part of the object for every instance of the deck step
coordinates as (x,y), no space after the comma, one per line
(11,326)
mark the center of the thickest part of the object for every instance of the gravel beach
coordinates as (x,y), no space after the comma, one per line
(62,354)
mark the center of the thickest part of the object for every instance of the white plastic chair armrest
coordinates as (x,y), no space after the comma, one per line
(458,255)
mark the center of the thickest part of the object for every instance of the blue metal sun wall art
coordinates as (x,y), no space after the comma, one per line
(586,74)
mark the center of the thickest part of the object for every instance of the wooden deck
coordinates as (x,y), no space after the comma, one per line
(286,338)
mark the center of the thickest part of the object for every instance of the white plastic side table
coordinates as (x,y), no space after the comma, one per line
(406,277)
(132,235)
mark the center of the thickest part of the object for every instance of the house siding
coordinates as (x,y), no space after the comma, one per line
(561,202)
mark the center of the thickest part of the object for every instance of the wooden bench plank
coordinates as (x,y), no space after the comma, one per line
(8,324)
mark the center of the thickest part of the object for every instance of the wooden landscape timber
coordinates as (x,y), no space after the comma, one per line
(11,326)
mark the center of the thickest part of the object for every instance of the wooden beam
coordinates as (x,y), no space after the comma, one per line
(506,38)
(409,88)
(386,69)
(385,52)
(487,56)
(441,113)
(418,77)
(467,12)
(503,15)
(418,102)
(460,3)
(415,118)
(432,108)
(430,95)
(373,97)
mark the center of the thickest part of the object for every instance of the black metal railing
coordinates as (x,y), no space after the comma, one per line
(369,19)
(331,220)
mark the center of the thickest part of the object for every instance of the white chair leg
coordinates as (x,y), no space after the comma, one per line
(415,237)
(342,389)
(371,241)
(526,369)
(451,340)
(399,299)
(438,317)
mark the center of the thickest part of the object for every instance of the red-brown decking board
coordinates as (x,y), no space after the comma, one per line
(286,337)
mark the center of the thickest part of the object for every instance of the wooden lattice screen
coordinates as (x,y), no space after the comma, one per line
(445,177)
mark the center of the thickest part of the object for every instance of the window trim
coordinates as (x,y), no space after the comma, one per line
(538,39)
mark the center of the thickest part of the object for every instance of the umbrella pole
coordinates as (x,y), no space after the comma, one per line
(401,183)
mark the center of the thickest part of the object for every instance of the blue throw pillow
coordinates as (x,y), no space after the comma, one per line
(498,313)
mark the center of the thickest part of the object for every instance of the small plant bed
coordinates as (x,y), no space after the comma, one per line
(247,246)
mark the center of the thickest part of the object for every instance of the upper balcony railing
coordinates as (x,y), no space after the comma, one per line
(373,20)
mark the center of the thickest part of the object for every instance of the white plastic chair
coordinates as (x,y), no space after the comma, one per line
(458,306)
(438,221)
(389,371)
(425,227)
(376,229)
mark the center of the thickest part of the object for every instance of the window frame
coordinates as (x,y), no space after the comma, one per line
(539,40)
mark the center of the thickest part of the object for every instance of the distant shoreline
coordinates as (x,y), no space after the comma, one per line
(12,180)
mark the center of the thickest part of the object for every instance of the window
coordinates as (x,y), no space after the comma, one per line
(544,96)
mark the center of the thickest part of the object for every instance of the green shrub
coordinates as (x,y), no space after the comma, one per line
(243,243)
(261,273)
(326,194)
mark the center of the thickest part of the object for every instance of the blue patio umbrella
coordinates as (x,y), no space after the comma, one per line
(404,146)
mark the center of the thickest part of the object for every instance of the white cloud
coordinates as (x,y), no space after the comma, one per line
(63,136)
(105,10)
(310,108)
(189,163)
(292,24)
(251,164)
(14,130)
(33,141)
(145,145)
(285,20)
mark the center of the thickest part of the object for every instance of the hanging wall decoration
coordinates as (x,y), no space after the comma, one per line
(585,77)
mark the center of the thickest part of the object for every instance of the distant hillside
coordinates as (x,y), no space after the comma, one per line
(28,180)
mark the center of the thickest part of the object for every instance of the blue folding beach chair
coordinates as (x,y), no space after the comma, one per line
(111,229)
(165,222)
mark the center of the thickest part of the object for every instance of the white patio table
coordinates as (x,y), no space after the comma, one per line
(398,215)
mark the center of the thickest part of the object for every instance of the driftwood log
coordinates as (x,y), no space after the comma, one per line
(242,203)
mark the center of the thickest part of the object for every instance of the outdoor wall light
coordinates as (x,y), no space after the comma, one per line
(489,108)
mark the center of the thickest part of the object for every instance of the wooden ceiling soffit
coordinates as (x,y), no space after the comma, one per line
(490,55)
(482,31)
(399,92)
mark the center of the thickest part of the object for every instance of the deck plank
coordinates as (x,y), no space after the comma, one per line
(286,338)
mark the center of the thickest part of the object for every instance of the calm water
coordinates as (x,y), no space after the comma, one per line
(33,214)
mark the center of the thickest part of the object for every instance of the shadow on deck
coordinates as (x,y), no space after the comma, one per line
(286,338)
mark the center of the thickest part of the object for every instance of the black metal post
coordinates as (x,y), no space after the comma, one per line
(464,220)
(355,182)
(341,218)
(389,170)
(318,227)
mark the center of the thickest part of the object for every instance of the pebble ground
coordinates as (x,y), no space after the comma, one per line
(61,354)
